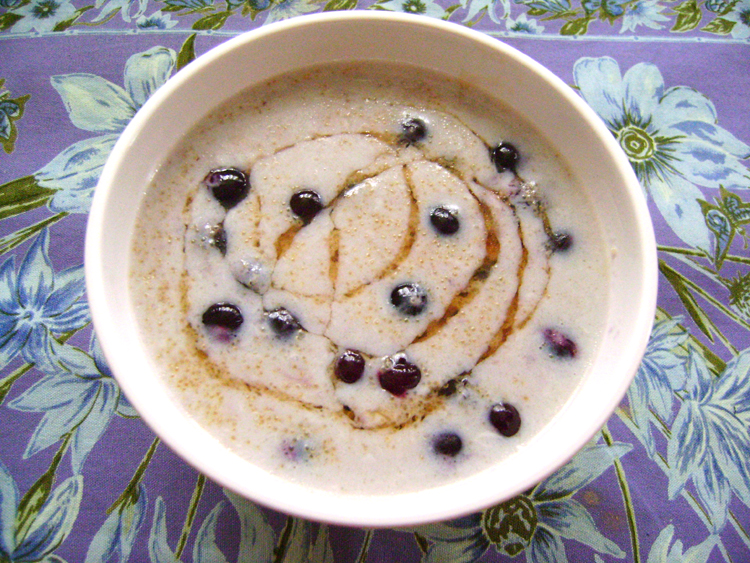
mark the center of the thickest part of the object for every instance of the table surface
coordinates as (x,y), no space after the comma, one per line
(667,479)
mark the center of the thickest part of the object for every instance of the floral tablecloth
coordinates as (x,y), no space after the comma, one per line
(83,480)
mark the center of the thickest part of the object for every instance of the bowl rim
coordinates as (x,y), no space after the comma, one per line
(356,510)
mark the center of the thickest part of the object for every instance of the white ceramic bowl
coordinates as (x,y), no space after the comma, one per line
(490,65)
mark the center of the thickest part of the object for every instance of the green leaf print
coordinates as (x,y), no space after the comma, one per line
(698,315)
(212,21)
(719,26)
(9,242)
(576,27)
(21,195)
(333,5)
(65,24)
(186,54)
(689,15)
(37,495)
(8,19)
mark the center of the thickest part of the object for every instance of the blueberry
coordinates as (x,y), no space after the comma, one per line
(444,220)
(283,322)
(453,386)
(560,242)
(561,345)
(299,449)
(223,315)
(306,204)
(449,389)
(228,185)
(413,130)
(505,418)
(399,377)
(349,366)
(447,444)
(505,157)
(219,239)
(409,298)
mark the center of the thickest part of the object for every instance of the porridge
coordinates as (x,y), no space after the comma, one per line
(369,278)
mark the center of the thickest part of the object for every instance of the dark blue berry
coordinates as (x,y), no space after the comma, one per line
(223,315)
(413,130)
(452,386)
(349,366)
(228,185)
(505,418)
(447,444)
(399,377)
(306,204)
(445,220)
(561,345)
(505,157)
(283,322)
(219,239)
(409,298)
(560,242)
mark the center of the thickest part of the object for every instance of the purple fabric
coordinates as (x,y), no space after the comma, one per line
(677,485)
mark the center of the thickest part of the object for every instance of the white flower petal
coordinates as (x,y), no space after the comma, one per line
(682,103)
(74,173)
(148,71)
(712,134)
(706,165)
(600,83)
(643,87)
(93,103)
(676,200)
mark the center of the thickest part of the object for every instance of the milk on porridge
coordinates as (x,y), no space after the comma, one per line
(369,278)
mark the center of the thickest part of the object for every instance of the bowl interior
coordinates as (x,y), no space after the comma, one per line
(482,62)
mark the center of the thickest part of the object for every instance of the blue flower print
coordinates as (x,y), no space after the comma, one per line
(551,6)
(256,542)
(489,7)
(97,105)
(52,524)
(610,8)
(78,397)
(422,7)
(191,5)
(107,7)
(36,303)
(661,552)
(8,109)
(661,373)
(671,138)
(719,6)
(740,15)
(536,523)
(42,15)
(643,12)
(710,442)
(286,9)
(156,21)
(522,24)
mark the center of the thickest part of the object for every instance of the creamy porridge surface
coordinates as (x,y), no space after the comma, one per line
(368,278)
